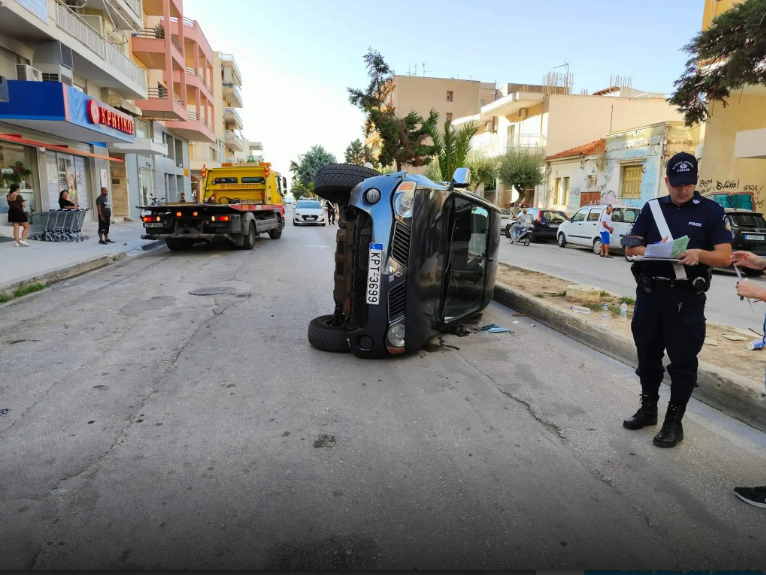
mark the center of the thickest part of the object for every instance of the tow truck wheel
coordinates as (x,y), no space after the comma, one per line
(327,337)
(275,234)
(176,245)
(249,242)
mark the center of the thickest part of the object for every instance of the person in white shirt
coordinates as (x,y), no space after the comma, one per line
(605,228)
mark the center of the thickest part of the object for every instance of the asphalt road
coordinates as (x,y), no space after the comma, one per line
(583,266)
(152,429)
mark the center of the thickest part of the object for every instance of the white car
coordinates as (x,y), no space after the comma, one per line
(309,212)
(289,199)
(505,217)
(582,228)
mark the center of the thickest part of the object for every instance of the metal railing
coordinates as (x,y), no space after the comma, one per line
(188,22)
(178,99)
(195,116)
(163,93)
(137,7)
(234,88)
(73,25)
(176,44)
(230,58)
(231,135)
(193,72)
(500,144)
(234,113)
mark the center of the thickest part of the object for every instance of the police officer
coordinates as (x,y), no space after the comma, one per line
(670,297)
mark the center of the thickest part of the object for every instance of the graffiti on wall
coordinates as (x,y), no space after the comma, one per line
(730,193)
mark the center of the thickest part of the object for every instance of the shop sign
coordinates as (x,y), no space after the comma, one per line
(98,115)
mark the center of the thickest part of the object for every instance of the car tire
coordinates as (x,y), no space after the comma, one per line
(597,246)
(327,337)
(334,182)
(249,242)
(562,241)
(294,223)
(176,245)
(750,272)
(275,234)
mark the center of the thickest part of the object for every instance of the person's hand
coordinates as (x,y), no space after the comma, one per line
(747,289)
(747,260)
(690,257)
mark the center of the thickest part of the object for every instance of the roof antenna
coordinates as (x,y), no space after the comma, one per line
(424,69)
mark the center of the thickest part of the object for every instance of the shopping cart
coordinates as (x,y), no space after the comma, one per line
(58,226)
(39,224)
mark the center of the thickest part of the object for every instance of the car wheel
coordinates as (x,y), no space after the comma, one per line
(597,247)
(327,337)
(750,272)
(562,241)
(294,223)
(334,182)
(275,234)
(249,242)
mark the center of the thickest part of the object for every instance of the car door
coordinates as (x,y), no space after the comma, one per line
(574,228)
(622,225)
(590,229)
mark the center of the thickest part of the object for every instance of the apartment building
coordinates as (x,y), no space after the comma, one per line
(732,151)
(70,85)
(549,120)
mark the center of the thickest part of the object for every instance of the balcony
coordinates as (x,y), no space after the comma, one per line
(231,116)
(235,141)
(96,59)
(195,128)
(127,14)
(149,47)
(233,95)
(497,145)
(160,106)
(143,146)
(197,79)
(228,61)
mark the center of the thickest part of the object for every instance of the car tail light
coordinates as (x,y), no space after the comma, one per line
(178,214)
(157,219)
(220,219)
(195,214)
(539,218)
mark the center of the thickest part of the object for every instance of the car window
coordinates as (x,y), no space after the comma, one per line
(230,180)
(309,205)
(630,216)
(253,180)
(617,215)
(747,220)
(554,217)
(594,214)
(580,216)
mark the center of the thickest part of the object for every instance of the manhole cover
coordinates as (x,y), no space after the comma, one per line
(211,291)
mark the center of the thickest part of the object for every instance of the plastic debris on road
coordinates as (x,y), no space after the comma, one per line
(494,328)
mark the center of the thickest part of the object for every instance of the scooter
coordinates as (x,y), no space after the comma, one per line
(524,237)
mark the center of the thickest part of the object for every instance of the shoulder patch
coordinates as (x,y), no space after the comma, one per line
(727,224)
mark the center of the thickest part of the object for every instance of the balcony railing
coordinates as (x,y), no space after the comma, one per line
(162,93)
(176,44)
(234,113)
(230,58)
(231,135)
(192,72)
(194,116)
(137,7)
(73,25)
(500,144)
(235,88)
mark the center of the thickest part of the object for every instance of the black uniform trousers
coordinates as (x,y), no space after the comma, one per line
(674,320)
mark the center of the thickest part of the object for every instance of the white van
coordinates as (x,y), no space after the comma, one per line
(582,228)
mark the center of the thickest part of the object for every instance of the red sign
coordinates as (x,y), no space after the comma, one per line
(99,115)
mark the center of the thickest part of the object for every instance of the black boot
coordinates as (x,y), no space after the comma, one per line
(646,414)
(672,431)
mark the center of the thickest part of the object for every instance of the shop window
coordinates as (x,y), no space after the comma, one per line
(17,166)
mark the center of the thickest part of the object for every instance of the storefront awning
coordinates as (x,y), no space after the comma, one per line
(26,142)
(64,112)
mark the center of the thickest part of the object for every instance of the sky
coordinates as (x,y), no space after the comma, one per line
(298,57)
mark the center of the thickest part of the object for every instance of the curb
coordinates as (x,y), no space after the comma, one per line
(720,388)
(152,245)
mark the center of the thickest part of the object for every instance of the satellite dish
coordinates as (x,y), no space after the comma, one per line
(514,195)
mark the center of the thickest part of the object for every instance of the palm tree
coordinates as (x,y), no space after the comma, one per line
(452,147)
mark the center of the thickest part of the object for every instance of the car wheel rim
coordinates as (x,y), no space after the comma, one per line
(597,248)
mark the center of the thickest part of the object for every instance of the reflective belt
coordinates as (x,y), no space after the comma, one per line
(662,226)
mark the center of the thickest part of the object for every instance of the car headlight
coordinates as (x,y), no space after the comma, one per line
(396,335)
(403,202)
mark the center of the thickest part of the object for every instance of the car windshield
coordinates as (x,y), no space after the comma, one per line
(309,205)
(554,217)
(748,220)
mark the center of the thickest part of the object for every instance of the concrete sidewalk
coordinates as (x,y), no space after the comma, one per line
(19,265)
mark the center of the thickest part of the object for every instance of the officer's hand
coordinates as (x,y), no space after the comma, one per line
(690,257)
(747,289)
(747,260)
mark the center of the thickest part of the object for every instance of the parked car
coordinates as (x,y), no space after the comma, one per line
(543,224)
(412,257)
(749,231)
(582,228)
(309,212)
(505,218)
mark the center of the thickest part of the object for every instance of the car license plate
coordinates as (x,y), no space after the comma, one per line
(373,274)
(155,225)
(553,226)
(758,238)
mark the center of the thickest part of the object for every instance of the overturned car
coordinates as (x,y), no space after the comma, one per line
(412,257)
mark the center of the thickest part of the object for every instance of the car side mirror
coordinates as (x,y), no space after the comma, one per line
(461,178)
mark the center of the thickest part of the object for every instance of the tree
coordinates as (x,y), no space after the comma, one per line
(359,154)
(727,56)
(483,170)
(300,191)
(403,139)
(307,165)
(452,147)
(521,168)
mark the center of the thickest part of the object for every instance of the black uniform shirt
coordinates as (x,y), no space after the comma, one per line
(702,219)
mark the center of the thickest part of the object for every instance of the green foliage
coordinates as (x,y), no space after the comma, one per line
(727,56)
(628,300)
(300,191)
(539,294)
(4,298)
(483,170)
(359,154)
(452,146)
(307,165)
(521,168)
(31,288)
(433,172)
(403,139)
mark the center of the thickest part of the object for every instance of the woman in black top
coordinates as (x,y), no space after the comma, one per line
(65,203)
(17,216)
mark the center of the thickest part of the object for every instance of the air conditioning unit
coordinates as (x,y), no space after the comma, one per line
(53,54)
(523,112)
(63,75)
(28,73)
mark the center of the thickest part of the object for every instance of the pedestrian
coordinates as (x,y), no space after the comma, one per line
(755,496)
(330,213)
(104,217)
(17,215)
(520,225)
(670,297)
(605,228)
(65,203)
